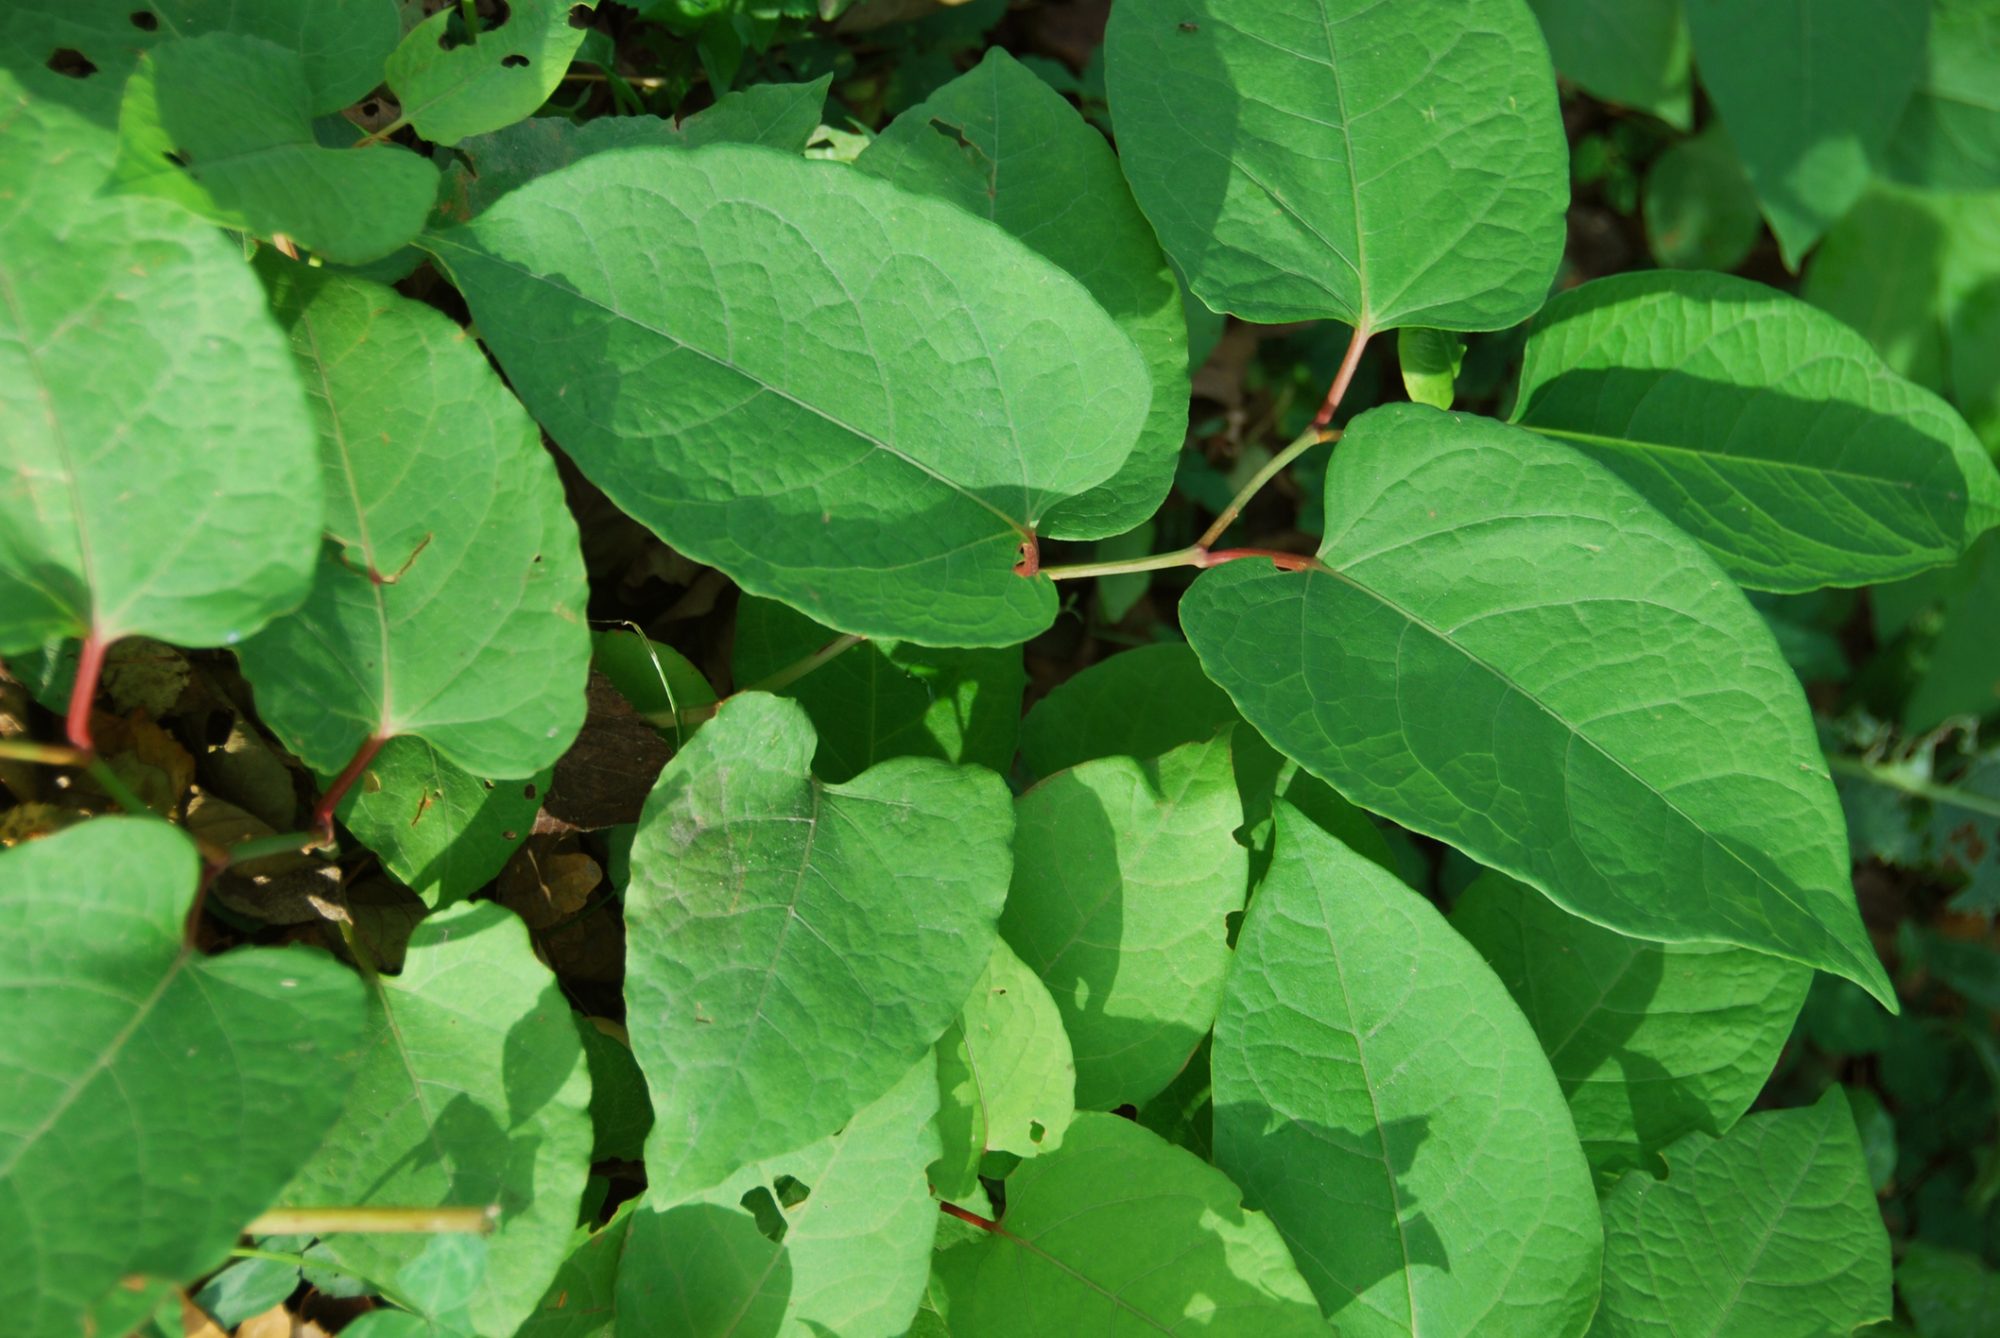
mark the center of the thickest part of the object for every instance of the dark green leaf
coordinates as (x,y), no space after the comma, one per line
(1949,137)
(1630,51)
(1701,211)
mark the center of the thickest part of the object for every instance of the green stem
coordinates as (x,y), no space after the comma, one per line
(1180,557)
(41,754)
(121,795)
(1897,778)
(1311,437)
(285,843)
(381,136)
(296,1261)
(783,678)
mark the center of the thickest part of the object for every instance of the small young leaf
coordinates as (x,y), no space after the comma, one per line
(794,947)
(856,400)
(1004,145)
(1809,90)
(1650,1041)
(1509,650)
(143,345)
(1386,164)
(449,599)
(1118,1232)
(1430,361)
(1633,51)
(1771,1232)
(452,83)
(142,1076)
(1769,432)
(1379,1095)
(1701,211)
(472,1091)
(223,125)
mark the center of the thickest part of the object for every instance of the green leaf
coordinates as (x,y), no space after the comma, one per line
(449,599)
(223,125)
(1634,52)
(792,947)
(119,314)
(1138,703)
(453,84)
(1959,676)
(472,1091)
(1124,870)
(582,1301)
(142,1077)
(1949,1294)
(1509,650)
(1949,137)
(1430,361)
(1771,1232)
(1650,1041)
(442,831)
(1006,1075)
(854,1221)
(1386,164)
(1809,90)
(621,1110)
(1120,1232)
(1379,1095)
(885,699)
(855,400)
(1770,433)
(1002,144)
(1701,211)
(651,675)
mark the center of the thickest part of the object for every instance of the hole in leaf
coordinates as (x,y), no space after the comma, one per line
(581,16)
(491,14)
(1036,1132)
(1128,1111)
(176,157)
(791,1191)
(145,20)
(487,784)
(71,63)
(769,1218)
(370,108)
(516,61)
(952,132)
(528,790)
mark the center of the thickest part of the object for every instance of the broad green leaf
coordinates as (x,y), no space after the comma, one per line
(852,399)
(134,345)
(1701,211)
(1948,1293)
(792,947)
(885,699)
(1124,870)
(1138,703)
(449,598)
(1001,143)
(1630,51)
(1509,650)
(1430,360)
(1809,90)
(472,1091)
(453,83)
(1119,1232)
(342,42)
(1770,433)
(621,1110)
(1650,1041)
(781,116)
(1949,137)
(1770,1232)
(1006,1076)
(442,831)
(582,1301)
(1379,1095)
(1386,164)
(854,1222)
(138,1133)
(223,125)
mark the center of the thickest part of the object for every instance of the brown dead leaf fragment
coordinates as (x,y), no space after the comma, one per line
(548,880)
(603,780)
(145,757)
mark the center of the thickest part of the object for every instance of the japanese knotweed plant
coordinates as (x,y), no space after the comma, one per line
(890,949)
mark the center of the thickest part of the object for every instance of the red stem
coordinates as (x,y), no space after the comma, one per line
(962,1215)
(322,818)
(89,668)
(1341,378)
(1284,561)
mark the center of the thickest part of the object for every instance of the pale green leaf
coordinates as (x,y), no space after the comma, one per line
(792,947)
(1001,143)
(138,1133)
(1379,1095)
(1701,211)
(1119,1232)
(855,1222)
(1770,433)
(1509,650)
(449,598)
(1629,51)
(1650,1041)
(1770,1232)
(1429,361)
(222,124)
(134,346)
(1124,870)
(1949,137)
(856,400)
(472,1091)
(885,699)
(1809,90)
(1006,1076)
(452,83)
(1386,164)
(442,831)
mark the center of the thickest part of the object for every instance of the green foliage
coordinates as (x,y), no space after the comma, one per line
(1635,53)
